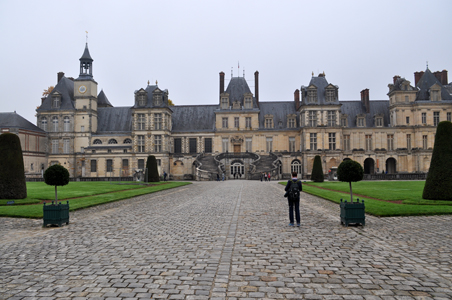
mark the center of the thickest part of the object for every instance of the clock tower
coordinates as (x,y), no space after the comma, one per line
(85,98)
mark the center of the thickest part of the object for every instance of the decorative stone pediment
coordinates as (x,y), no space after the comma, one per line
(237,140)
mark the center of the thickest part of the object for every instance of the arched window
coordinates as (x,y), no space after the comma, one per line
(127,141)
(97,142)
(112,141)
(55,124)
(44,124)
(295,166)
(67,124)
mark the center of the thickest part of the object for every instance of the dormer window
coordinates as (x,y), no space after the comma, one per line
(312,95)
(268,121)
(56,100)
(361,121)
(291,121)
(157,99)
(435,95)
(248,103)
(141,98)
(224,103)
(344,120)
(379,121)
(330,95)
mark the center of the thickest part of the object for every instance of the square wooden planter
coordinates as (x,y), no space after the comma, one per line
(56,214)
(353,213)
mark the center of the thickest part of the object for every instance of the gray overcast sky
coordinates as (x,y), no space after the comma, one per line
(185,44)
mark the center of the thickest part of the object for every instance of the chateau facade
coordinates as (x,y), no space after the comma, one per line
(239,134)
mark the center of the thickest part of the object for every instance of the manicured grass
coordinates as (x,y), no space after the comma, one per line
(408,191)
(80,195)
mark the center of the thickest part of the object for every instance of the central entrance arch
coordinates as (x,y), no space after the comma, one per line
(237,170)
(369,166)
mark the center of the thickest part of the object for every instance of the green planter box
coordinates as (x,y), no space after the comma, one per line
(353,213)
(56,214)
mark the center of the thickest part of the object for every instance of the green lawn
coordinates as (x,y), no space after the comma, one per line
(79,194)
(409,192)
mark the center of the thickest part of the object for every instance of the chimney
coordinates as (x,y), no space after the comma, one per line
(296,98)
(42,100)
(365,99)
(256,87)
(444,77)
(417,77)
(395,78)
(60,75)
(221,83)
(438,75)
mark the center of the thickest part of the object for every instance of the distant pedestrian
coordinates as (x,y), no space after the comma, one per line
(262,177)
(269,176)
(293,189)
(218,177)
(265,176)
(223,176)
(164,176)
(240,175)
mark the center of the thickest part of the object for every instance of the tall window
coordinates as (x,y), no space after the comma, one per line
(225,144)
(55,146)
(67,124)
(424,142)
(140,143)
(55,124)
(248,103)
(93,165)
(291,144)
(424,118)
(331,118)
(248,122)
(329,97)
(177,145)
(224,103)
(360,122)
(346,142)
(312,118)
(449,117)
(312,95)
(269,144)
(248,144)
(344,121)
(408,120)
(435,118)
(390,142)
(192,145)
(82,128)
(379,122)
(141,98)
(109,165)
(157,143)
(236,122)
(66,146)
(291,122)
(268,123)
(368,142)
(313,141)
(208,145)
(44,124)
(141,125)
(332,141)
(158,121)
(225,122)
(141,164)
(408,141)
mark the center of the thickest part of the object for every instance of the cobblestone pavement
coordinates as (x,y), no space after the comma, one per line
(224,240)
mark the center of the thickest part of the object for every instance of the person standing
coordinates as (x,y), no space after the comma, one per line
(164,176)
(223,176)
(293,189)
(269,176)
(265,176)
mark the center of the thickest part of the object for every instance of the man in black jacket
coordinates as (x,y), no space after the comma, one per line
(293,195)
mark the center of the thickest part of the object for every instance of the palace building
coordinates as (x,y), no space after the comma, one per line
(240,134)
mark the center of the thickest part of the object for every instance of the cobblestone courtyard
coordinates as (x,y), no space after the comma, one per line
(224,240)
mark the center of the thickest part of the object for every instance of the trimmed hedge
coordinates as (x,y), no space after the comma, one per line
(152,170)
(438,185)
(12,174)
(317,172)
(56,175)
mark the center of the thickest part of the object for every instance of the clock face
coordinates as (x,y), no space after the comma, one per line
(82,89)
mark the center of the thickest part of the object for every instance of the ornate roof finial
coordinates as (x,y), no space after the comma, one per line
(312,73)
(427,64)
(86,37)
(156,82)
(148,81)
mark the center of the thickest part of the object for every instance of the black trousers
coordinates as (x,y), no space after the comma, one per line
(294,204)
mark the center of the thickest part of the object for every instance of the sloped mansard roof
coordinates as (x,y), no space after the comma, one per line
(13,120)
(66,88)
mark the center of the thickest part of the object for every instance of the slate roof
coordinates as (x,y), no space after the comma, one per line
(114,119)
(280,110)
(86,55)
(150,97)
(193,118)
(236,89)
(353,108)
(102,100)
(426,82)
(321,83)
(66,88)
(14,120)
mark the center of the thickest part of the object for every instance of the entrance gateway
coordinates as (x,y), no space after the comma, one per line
(237,167)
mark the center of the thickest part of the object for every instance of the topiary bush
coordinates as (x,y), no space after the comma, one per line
(317,172)
(12,174)
(56,175)
(152,170)
(438,185)
(350,171)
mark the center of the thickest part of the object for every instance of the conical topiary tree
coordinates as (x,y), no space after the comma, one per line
(56,175)
(12,175)
(350,171)
(152,170)
(317,172)
(438,185)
